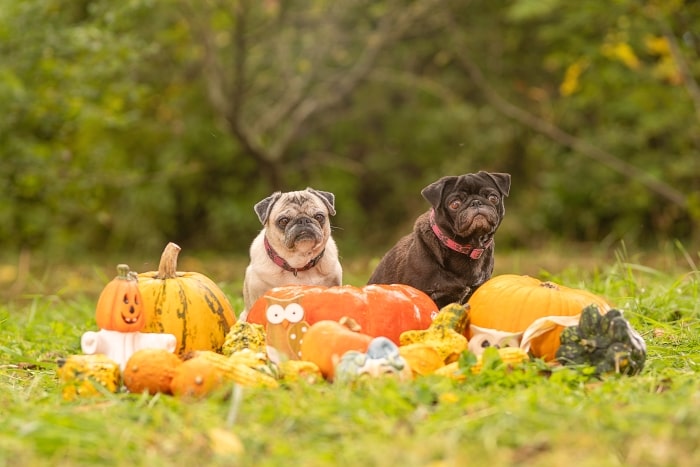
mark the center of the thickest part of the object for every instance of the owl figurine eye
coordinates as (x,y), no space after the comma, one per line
(285,328)
(509,341)
(275,314)
(484,337)
(294,313)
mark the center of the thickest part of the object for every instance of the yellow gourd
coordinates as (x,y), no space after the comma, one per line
(188,305)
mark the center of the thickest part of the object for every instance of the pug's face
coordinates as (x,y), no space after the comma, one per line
(469,206)
(297,221)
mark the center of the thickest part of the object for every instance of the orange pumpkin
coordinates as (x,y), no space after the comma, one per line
(120,305)
(380,310)
(188,305)
(196,378)
(511,303)
(150,369)
(326,341)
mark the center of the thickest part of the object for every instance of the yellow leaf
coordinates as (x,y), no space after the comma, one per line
(448,398)
(622,52)
(572,74)
(225,443)
(657,45)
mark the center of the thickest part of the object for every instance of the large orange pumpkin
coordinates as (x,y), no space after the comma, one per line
(379,309)
(120,305)
(511,303)
(188,305)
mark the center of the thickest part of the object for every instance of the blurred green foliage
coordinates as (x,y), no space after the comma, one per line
(130,124)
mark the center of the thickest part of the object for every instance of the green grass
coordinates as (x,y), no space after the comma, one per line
(499,417)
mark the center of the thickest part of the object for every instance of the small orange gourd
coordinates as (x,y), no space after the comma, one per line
(120,305)
(150,369)
(326,341)
(196,378)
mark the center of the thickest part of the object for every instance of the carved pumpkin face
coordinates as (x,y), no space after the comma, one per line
(120,307)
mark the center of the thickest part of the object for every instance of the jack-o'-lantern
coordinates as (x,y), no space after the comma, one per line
(120,307)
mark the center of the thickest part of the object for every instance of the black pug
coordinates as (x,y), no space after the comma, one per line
(450,251)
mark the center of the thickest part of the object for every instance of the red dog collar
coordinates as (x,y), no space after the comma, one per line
(466,249)
(279,261)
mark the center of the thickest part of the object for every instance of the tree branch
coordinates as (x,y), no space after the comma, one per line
(392,26)
(557,134)
(689,81)
(234,116)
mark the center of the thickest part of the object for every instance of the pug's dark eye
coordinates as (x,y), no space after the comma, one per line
(494,199)
(455,204)
(282,222)
(320,218)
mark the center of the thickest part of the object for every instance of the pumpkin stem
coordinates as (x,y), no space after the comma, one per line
(167,269)
(350,323)
(125,273)
(549,285)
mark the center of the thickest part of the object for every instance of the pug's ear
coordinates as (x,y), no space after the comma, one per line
(327,197)
(502,181)
(433,192)
(264,207)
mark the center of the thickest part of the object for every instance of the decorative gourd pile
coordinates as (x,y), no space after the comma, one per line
(327,326)
(152,370)
(184,312)
(340,334)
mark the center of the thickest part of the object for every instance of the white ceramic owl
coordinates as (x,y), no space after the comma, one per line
(484,337)
(285,328)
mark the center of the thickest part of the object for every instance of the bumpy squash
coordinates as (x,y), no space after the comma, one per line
(244,335)
(293,371)
(244,368)
(88,375)
(521,304)
(423,358)
(511,357)
(188,305)
(607,342)
(380,310)
(445,334)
